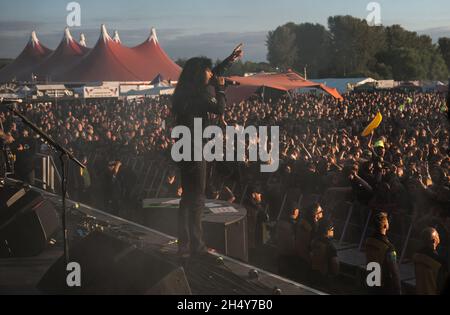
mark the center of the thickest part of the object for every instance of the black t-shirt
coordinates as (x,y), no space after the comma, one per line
(188,105)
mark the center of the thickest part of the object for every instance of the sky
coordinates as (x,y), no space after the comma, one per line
(211,28)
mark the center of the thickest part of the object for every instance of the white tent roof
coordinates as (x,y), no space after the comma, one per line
(343,84)
(116,37)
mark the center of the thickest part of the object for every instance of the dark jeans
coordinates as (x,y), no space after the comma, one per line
(192,204)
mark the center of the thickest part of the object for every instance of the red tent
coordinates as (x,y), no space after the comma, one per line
(109,60)
(83,41)
(279,81)
(68,53)
(155,61)
(116,37)
(21,68)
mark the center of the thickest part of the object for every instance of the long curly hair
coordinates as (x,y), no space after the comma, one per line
(191,83)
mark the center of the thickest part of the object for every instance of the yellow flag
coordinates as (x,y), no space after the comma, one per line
(373,125)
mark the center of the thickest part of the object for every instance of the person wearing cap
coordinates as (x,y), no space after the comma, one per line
(324,258)
(379,148)
(380,250)
(431,270)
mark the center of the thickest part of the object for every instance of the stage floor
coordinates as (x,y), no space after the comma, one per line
(210,276)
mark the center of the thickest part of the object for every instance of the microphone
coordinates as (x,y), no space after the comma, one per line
(227,82)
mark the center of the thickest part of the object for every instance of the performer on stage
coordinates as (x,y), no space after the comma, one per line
(192,99)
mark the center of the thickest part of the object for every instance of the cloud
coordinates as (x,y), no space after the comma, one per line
(18,26)
(14,35)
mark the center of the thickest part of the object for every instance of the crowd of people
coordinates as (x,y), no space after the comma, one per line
(110,131)
(402,168)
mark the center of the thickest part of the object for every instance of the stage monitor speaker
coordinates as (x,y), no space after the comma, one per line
(15,199)
(225,232)
(112,266)
(228,237)
(27,222)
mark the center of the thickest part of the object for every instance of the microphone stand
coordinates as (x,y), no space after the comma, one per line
(64,155)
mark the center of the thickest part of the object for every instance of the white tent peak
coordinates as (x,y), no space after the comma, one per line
(117,37)
(34,39)
(153,35)
(67,35)
(105,36)
(83,40)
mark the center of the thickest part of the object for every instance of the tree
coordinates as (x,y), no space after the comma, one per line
(282,50)
(181,62)
(436,67)
(241,68)
(406,64)
(412,57)
(397,36)
(444,48)
(236,68)
(354,45)
(313,44)
(353,48)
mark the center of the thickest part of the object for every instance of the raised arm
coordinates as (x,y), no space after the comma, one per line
(220,69)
